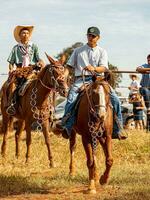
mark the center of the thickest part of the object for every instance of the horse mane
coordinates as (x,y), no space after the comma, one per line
(103,82)
(41,73)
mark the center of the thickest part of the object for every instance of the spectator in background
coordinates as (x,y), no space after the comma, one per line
(138,107)
(134,85)
(144,69)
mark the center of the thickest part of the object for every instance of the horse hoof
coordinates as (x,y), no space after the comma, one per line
(3,156)
(103,180)
(17,156)
(93,191)
(28,161)
(97,181)
(52,165)
(72,174)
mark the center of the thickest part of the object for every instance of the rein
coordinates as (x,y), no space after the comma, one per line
(52,79)
(45,86)
(96,128)
(86,91)
(40,115)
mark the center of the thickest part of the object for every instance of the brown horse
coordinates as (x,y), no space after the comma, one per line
(94,125)
(35,107)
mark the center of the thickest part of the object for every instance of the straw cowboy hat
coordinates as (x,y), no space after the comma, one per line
(131,75)
(19,28)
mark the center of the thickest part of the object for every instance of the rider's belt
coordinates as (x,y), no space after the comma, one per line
(19,65)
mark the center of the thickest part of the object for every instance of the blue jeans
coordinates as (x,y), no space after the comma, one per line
(71,100)
(145,92)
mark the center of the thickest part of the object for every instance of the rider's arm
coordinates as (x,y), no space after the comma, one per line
(12,59)
(102,64)
(11,67)
(141,69)
(99,69)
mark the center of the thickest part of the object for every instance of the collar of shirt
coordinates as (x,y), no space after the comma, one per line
(28,45)
(90,48)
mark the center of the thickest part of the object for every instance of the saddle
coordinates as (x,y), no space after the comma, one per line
(17,84)
(24,87)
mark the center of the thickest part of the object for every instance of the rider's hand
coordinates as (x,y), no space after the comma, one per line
(90,68)
(40,63)
(146,72)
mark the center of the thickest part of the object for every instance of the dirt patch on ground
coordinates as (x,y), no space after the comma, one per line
(78,193)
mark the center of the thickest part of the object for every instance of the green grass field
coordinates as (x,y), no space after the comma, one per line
(129,180)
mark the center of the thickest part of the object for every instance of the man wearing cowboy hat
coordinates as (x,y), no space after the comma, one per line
(25,53)
(134,85)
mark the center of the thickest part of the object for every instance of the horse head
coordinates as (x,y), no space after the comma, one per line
(98,98)
(59,75)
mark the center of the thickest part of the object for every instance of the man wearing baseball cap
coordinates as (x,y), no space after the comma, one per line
(93,31)
(93,58)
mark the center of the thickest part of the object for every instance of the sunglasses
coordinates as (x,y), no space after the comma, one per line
(90,35)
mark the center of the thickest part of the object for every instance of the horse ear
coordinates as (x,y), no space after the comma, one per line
(51,60)
(62,59)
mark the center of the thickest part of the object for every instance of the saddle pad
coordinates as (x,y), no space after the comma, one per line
(24,87)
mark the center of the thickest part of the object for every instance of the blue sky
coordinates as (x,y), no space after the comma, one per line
(124,26)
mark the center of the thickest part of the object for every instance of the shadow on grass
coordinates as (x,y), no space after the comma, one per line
(16,185)
(67,179)
(59,184)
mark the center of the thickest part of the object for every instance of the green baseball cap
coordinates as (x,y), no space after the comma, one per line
(93,31)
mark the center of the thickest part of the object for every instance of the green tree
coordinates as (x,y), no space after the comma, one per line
(68,51)
(115,78)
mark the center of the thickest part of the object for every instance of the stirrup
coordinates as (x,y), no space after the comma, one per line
(11,110)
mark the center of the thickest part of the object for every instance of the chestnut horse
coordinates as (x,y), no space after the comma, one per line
(94,126)
(35,108)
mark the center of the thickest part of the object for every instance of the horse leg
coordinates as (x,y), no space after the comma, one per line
(72,150)
(107,148)
(5,129)
(11,126)
(19,130)
(96,174)
(47,142)
(28,140)
(90,164)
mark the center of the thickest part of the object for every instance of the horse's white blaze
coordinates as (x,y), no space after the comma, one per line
(102,108)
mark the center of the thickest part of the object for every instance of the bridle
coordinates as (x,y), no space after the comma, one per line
(55,80)
(38,114)
(96,126)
